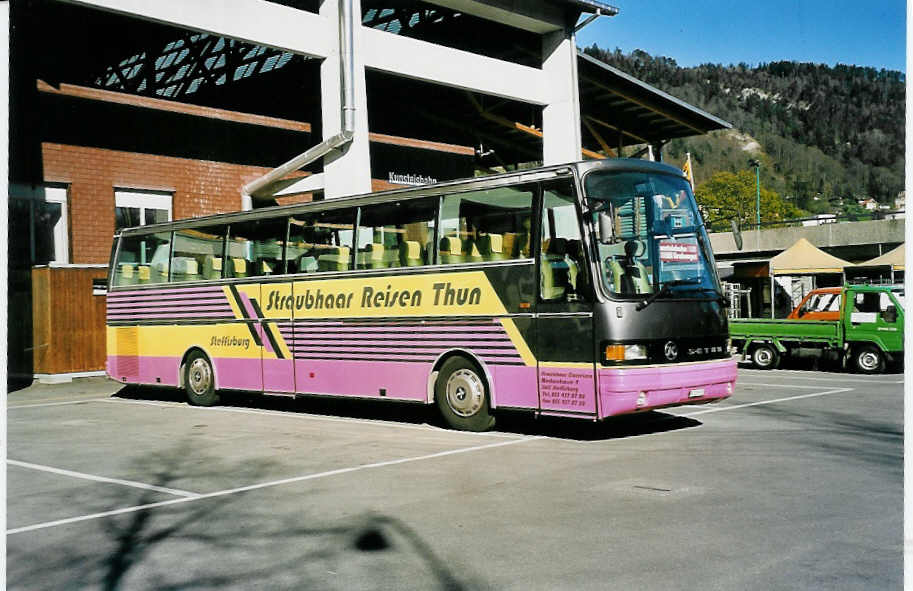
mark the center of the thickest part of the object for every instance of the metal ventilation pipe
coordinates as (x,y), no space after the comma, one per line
(347,91)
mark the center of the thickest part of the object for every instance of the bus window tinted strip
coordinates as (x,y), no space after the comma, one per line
(162,291)
(177,315)
(168,304)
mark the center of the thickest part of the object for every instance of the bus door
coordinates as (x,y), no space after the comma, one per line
(275,330)
(564,312)
(255,253)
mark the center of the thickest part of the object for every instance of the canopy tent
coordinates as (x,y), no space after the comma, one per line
(893,258)
(804,258)
(881,269)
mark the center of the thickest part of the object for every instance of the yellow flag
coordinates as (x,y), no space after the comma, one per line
(686,168)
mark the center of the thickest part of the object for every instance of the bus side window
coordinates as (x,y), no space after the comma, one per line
(488,225)
(197,255)
(397,234)
(256,247)
(321,241)
(140,259)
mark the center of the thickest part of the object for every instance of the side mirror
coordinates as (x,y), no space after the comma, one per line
(736,233)
(606,228)
(890,315)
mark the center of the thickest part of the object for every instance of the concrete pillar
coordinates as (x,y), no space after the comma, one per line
(346,171)
(561,140)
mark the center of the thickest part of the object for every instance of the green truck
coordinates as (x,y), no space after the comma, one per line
(868,335)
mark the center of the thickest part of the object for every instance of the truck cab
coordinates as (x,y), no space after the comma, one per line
(819,304)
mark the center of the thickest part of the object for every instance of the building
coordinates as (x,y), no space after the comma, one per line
(126,112)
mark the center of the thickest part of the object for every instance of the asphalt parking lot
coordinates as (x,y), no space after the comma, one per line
(796,482)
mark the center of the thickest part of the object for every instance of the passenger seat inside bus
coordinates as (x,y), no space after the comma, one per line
(238,267)
(307,264)
(142,274)
(451,250)
(471,251)
(372,257)
(410,254)
(212,267)
(336,259)
(184,269)
(492,247)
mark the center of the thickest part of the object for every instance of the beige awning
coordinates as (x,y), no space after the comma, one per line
(893,258)
(804,258)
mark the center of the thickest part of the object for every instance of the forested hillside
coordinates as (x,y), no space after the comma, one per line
(825,136)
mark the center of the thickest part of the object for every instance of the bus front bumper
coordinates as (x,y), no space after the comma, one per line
(635,389)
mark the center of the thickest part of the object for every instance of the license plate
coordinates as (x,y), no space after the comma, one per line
(696,393)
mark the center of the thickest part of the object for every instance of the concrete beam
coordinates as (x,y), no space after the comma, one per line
(536,17)
(823,236)
(255,21)
(421,60)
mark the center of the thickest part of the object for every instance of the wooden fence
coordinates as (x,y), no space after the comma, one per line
(68,321)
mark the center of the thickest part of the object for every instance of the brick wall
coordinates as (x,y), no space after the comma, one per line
(199,187)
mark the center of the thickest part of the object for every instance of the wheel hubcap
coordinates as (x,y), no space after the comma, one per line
(763,357)
(868,360)
(465,393)
(199,376)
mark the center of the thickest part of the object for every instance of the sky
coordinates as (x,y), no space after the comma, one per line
(864,32)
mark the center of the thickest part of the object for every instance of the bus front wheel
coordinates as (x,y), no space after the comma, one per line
(462,396)
(199,380)
(764,356)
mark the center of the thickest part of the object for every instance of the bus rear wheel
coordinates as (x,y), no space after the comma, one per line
(199,380)
(462,396)
(868,359)
(764,356)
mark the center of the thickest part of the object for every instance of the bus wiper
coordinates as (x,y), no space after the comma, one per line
(664,290)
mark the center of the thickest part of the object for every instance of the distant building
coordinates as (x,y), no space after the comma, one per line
(822,218)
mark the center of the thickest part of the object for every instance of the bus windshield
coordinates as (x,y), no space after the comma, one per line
(659,245)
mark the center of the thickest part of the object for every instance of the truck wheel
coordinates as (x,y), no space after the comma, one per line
(764,356)
(462,396)
(868,359)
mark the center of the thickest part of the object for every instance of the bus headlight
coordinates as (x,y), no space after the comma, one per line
(635,352)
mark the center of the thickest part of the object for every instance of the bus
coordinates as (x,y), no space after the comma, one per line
(585,290)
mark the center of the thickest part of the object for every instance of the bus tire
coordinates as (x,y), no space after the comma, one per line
(199,380)
(764,356)
(868,359)
(462,396)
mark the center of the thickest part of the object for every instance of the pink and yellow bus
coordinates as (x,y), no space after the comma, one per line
(586,290)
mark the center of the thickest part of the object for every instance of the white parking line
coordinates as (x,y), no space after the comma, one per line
(311,417)
(769,385)
(134,484)
(251,487)
(763,402)
(15,406)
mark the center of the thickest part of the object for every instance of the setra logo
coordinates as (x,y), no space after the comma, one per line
(670,351)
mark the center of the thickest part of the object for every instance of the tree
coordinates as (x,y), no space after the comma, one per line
(727,195)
